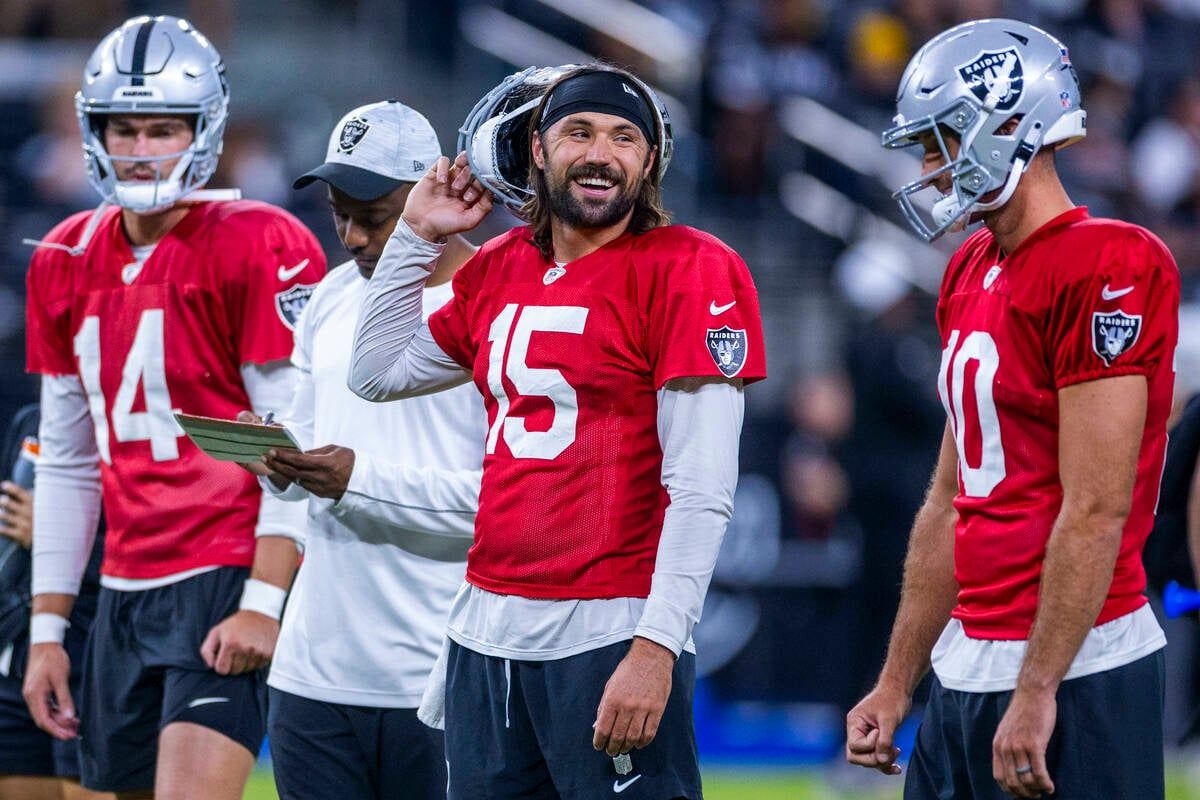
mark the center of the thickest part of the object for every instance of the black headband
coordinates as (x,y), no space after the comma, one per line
(602,92)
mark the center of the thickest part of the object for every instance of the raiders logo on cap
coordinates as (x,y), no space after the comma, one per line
(352,133)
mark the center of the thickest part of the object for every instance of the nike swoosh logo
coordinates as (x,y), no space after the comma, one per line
(1113,295)
(715,309)
(286,274)
(203,701)
(619,787)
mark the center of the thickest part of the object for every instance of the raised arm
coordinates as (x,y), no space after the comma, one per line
(394,355)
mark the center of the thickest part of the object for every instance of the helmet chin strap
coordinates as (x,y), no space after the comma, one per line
(945,209)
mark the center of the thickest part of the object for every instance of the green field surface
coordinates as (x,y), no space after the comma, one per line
(730,784)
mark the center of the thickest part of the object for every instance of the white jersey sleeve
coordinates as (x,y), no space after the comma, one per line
(394,354)
(698,428)
(66,502)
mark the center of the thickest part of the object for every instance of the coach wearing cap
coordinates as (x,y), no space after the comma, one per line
(392,492)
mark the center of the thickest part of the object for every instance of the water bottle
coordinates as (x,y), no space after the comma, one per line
(22,472)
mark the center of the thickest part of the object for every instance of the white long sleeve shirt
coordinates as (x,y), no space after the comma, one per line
(367,613)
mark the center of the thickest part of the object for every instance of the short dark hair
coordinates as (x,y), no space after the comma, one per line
(648,212)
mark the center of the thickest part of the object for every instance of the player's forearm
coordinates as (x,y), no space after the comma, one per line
(276,559)
(927,597)
(49,603)
(1076,574)
(390,317)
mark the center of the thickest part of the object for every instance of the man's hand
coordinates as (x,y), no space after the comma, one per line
(243,642)
(1019,748)
(324,471)
(47,691)
(258,468)
(447,200)
(634,699)
(16,514)
(871,728)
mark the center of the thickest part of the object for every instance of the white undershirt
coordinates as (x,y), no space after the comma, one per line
(986,665)
(395,356)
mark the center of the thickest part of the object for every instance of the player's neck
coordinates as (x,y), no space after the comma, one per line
(146,229)
(572,243)
(1039,198)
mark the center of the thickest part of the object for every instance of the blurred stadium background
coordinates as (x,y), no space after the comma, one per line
(777,106)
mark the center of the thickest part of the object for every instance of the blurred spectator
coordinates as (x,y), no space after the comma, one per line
(1167,152)
(51,160)
(1096,171)
(815,485)
(253,161)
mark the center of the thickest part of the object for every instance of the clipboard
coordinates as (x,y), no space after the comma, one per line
(229,440)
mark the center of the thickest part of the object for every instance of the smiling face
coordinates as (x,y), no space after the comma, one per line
(140,136)
(594,166)
(365,225)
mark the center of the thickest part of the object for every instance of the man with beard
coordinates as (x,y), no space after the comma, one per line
(611,350)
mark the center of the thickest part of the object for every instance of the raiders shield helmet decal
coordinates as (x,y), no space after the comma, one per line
(996,71)
(1114,333)
(728,349)
(290,302)
(352,133)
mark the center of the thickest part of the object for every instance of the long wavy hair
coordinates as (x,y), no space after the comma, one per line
(648,212)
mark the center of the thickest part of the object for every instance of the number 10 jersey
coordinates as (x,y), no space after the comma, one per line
(1079,300)
(569,359)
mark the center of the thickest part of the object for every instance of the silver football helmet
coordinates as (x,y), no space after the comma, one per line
(495,135)
(153,65)
(969,81)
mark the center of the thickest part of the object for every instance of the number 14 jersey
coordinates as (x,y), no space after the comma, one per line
(223,288)
(1080,299)
(569,359)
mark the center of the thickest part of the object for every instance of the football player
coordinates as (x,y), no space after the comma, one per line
(391,492)
(611,349)
(165,298)
(1024,581)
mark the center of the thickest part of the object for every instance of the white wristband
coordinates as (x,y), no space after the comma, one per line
(47,628)
(263,597)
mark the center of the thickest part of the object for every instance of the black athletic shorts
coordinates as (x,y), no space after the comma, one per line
(332,751)
(524,729)
(143,671)
(1107,742)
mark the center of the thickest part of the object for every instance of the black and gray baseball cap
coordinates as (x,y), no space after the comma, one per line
(374,149)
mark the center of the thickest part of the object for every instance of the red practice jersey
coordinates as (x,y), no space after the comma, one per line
(222,289)
(569,362)
(1080,300)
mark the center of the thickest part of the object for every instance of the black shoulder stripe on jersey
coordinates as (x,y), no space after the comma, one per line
(140,45)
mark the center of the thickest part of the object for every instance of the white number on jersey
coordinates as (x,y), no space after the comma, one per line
(977,481)
(507,358)
(145,364)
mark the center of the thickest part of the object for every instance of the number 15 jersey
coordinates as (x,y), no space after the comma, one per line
(569,360)
(223,288)
(1079,300)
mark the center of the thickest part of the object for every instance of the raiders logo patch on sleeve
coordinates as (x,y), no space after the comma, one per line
(291,301)
(1114,333)
(728,349)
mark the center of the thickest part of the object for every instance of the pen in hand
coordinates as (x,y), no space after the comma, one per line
(267,419)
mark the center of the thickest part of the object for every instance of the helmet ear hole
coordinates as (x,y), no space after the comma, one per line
(1009,126)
